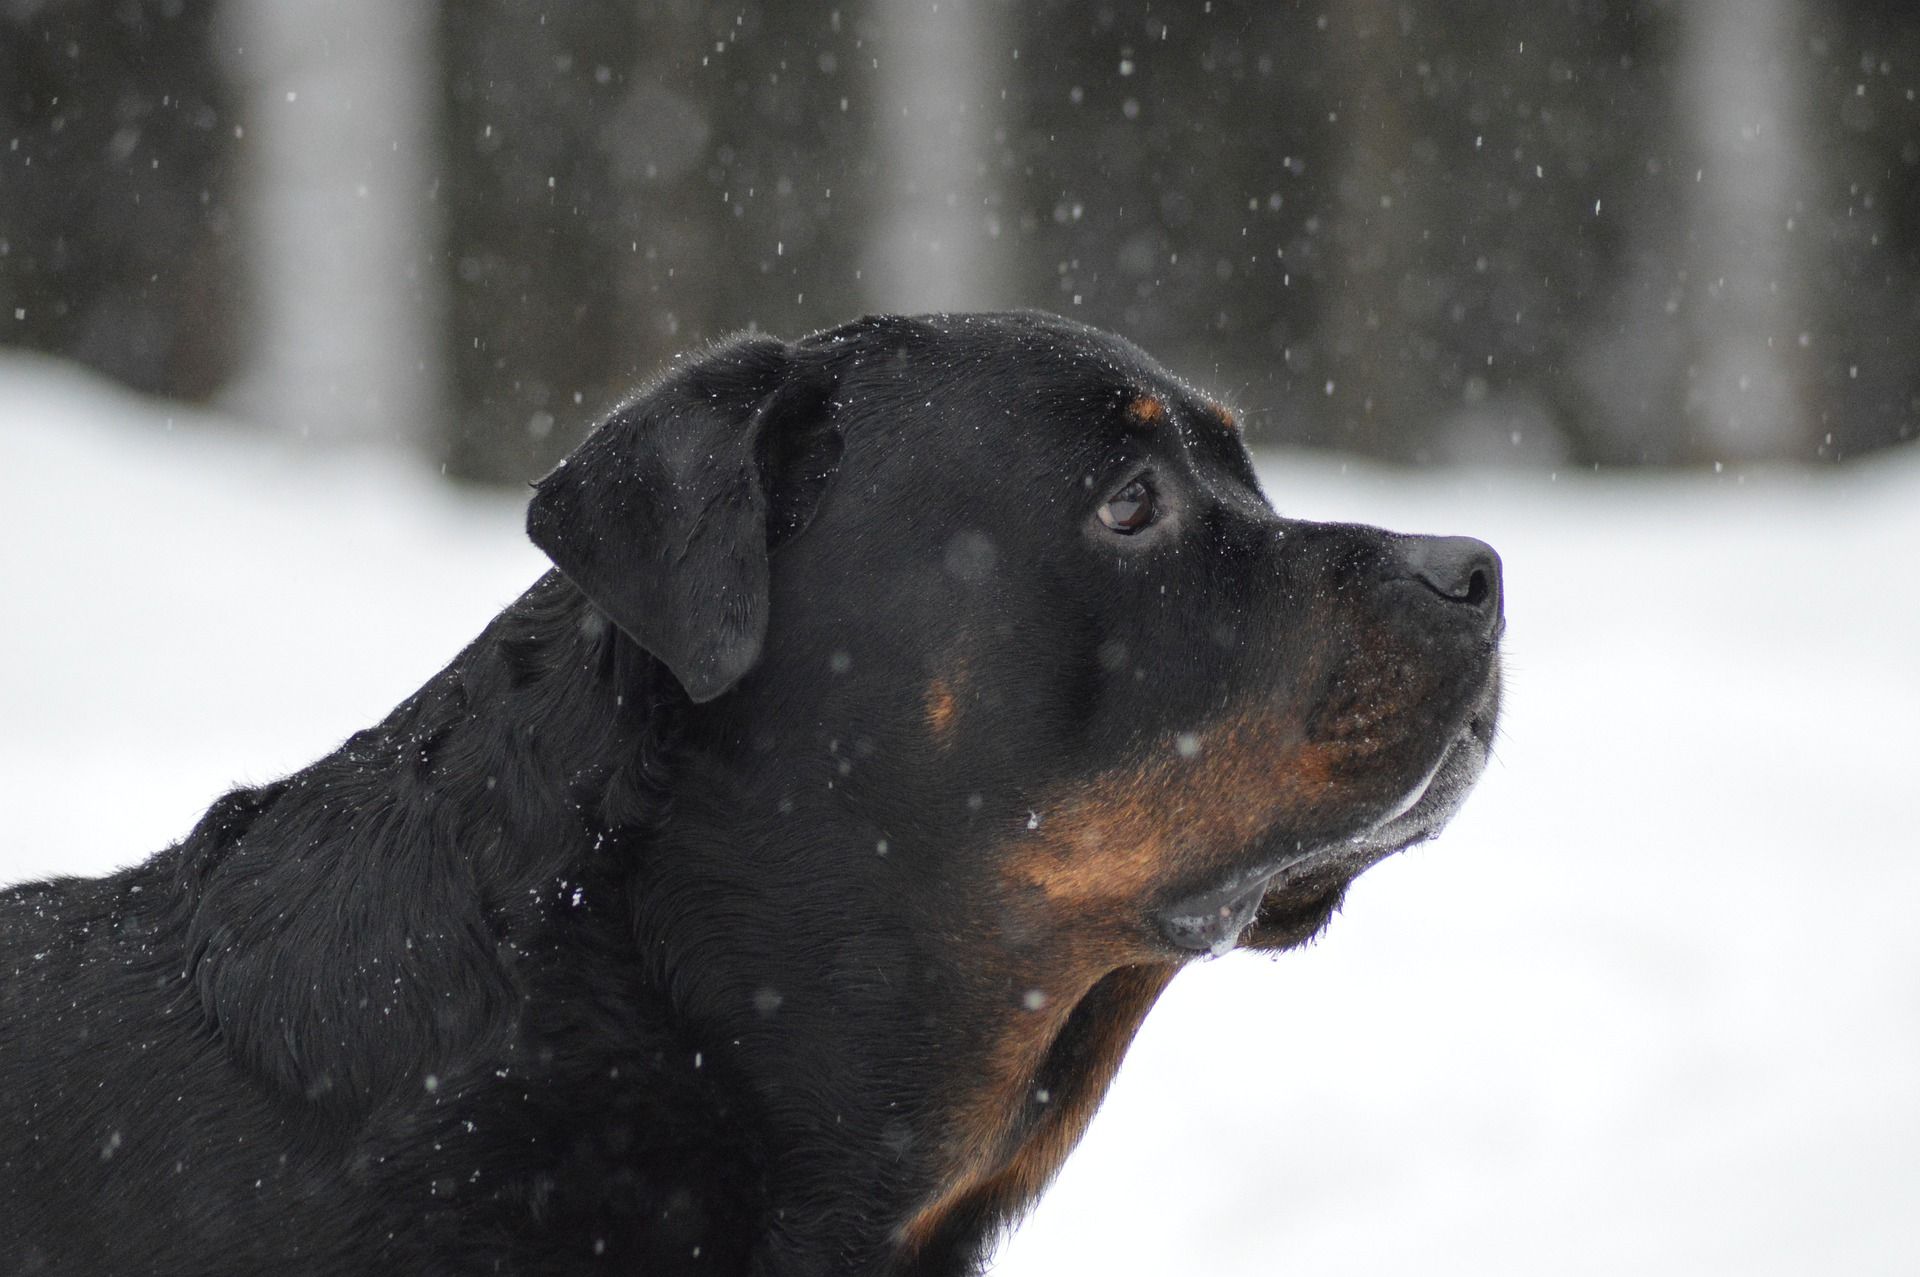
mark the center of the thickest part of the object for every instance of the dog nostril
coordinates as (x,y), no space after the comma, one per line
(1458,568)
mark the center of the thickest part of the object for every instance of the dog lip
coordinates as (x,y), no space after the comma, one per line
(1413,796)
(1212,922)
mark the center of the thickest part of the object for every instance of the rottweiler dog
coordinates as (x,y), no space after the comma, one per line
(775,886)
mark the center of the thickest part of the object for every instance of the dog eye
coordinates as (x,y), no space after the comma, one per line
(1129,509)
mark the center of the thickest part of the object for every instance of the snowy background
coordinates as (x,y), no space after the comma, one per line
(1652,1005)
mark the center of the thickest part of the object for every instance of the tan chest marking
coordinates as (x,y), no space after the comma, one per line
(1061,1064)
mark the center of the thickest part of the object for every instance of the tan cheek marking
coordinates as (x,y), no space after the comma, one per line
(1147,410)
(1116,839)
(1102,849)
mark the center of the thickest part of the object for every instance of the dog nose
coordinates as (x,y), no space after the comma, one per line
(1457,568)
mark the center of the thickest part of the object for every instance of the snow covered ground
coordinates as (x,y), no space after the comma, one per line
(1651,1006)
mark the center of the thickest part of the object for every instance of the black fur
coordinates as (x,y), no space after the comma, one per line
(673,926)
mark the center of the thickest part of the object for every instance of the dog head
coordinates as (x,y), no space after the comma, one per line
(1042,604)
(1001,653)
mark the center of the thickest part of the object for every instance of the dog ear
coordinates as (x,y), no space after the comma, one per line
(665,517)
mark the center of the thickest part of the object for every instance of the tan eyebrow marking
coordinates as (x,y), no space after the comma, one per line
(941,708)
(1147,410)
(1223,414)
(949,685)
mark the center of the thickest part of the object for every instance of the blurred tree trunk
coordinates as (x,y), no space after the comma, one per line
(1857,226)
(1167,176)
(1481,144)
(527,193)
(623,182)
(941,64)
(1743,105)
(1397,200)
(1377,341)
(341,233)
(116,243)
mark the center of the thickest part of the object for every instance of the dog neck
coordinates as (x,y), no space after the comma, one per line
(658,965)
(920,1090)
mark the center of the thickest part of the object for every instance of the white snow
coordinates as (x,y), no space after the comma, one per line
(185,606)
(1652,1005)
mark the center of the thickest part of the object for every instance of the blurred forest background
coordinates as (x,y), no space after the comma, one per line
(1553,232)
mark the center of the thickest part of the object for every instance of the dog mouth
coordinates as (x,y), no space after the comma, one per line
(1292,899)
(1287,899)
